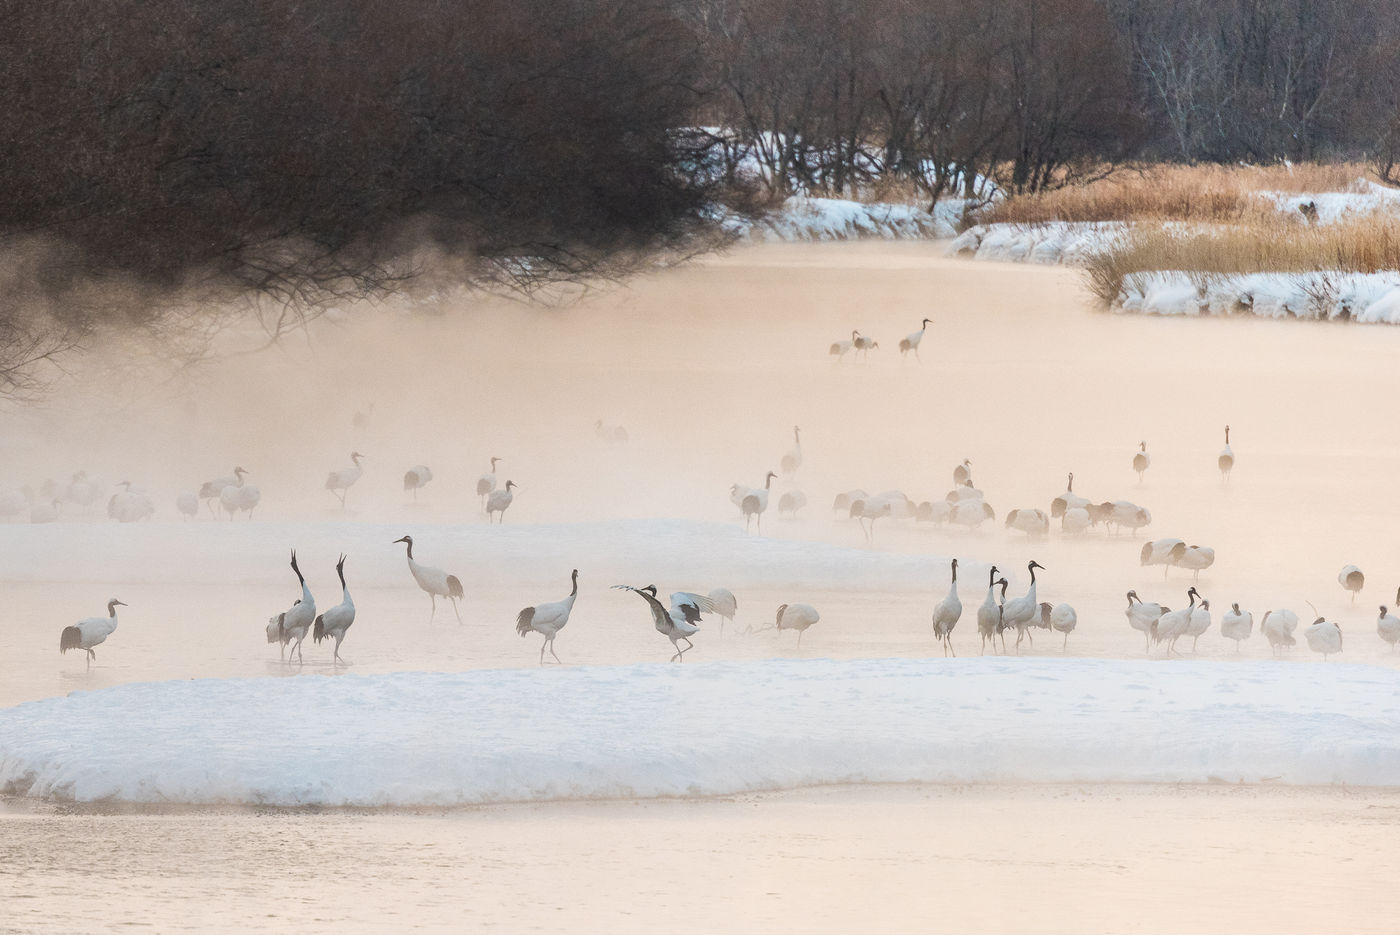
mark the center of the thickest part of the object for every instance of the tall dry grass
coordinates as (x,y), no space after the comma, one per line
(1362,244)
(1208,193)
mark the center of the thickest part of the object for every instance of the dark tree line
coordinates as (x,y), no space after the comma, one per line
(827,94)
(304,151)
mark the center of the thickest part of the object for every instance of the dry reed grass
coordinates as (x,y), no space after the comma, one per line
(1361,244)
(1212,193)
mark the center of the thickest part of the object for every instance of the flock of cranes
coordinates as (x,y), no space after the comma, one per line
(965,505)
(222,497)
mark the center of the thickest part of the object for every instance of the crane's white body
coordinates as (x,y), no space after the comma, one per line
(1159,552)
(867,511)
(678,623)
(937,512)
(964,491)
(725,604)
(841,504)
(1351,579)
(1388,628)
(82,491)
(500,500)
(796,617)
(1019,612)
(210,490)
(1126,514)
(486,483)
(791,501)
(90,632)
(240,497)
(1142,461)
(1141,616)
(911,342)
(1068,500)
(971,513)
(548,619)
(291,626)
(1173,625)
(946,614)
(416,478)
(1194,558)
(334,623)
(435,581)
(755,503)
(1226,461)
(864,345)
(1199,623)
(989,614)
(1277,627)
(339,482)
(130,504)
(962,474)
(839,349)
(187,502)
(793,459)
(1030,522)
(1236,625)
(1063,619)
(1075,521)
(1324,637)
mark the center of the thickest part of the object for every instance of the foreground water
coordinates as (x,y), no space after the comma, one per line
(1040,859)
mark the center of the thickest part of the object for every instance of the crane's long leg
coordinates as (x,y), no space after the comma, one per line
(433,598)
(949,639)
(553,653)
(1066,643)
(455,610)
(543,644)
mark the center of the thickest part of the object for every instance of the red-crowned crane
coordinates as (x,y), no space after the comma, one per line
(290,627)
(548,619)
(91,631)
(339,482)
(435,581)
(334,622)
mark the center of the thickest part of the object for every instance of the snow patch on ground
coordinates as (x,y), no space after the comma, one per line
(687,730)
(1323,295)
(1335,206)
(804,219)
(1054,242)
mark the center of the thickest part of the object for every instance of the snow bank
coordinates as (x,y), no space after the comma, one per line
(686,730)
(834,219)
(1054,242)
(1325,295)
(1334,206)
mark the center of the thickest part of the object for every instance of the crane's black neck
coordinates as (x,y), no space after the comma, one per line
(574,592)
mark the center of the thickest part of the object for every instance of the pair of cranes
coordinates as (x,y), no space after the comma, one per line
(1224,462)
(291,626)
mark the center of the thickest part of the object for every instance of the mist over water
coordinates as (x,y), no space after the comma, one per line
(708,367)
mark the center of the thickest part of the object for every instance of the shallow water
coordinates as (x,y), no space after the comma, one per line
(989,858)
